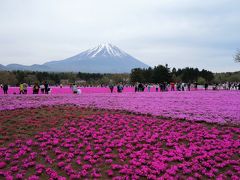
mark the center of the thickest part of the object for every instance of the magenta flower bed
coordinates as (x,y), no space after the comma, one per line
(210,106)
(121,146)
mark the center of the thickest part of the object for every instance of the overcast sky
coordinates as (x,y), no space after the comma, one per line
(197,33)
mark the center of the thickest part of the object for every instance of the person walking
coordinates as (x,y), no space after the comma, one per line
(161,87)
(21,88)
(119,88)
(25,86)
(149,87)
(206,86)
(165,86)
(229,85)
(46,88)
(172,86)
(5,88)
(136,87)
(183,85)
(111,87)
(157,87)
(74,89)
(42,88)
(178,86)
(140,87)
(36,88)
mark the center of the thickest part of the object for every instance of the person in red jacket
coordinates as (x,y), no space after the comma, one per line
(172,86)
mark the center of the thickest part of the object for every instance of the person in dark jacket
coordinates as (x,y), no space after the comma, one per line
(46,88)
(5,89)
(206,86)
(111,87)
(119,88)
(136,87)
(141,87)
(36,88)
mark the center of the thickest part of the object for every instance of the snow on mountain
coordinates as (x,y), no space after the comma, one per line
(105,50)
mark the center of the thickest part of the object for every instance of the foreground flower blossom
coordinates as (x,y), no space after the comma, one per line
(91,144)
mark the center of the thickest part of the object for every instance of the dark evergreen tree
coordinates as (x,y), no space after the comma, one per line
(137,75)
(161,74)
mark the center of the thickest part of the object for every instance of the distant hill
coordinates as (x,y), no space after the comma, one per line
(227,77)
(2,68)
(105,58)
(34,67)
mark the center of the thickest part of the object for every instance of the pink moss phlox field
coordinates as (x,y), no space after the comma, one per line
(209,106)
(121,146)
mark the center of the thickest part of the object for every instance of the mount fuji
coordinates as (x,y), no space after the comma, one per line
(105,58)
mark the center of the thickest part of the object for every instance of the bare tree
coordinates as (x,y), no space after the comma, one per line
(237,56)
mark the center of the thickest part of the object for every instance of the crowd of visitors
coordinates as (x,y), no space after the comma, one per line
(230,86)
(44,88)
(23,88)
(140,87)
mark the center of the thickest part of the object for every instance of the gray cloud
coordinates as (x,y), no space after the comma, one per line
(181,33)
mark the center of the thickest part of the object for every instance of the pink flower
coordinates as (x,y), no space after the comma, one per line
(61,164)
(84,173)
(2,165)
(29,142)
(110,173)
(14,169)
(19,176)
(55,141)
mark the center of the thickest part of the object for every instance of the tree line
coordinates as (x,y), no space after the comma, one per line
(157,74)
(65,78)
(162,73)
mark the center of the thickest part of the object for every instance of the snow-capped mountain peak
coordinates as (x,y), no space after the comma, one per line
(105,50)
(104,58)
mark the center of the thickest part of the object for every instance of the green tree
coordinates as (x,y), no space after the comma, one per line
(30,79)
(20,75)
(147,75)
(161,74)
(190,74)
(104,80)
(207,75)
(8,78)
(201,80)
(136,75)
